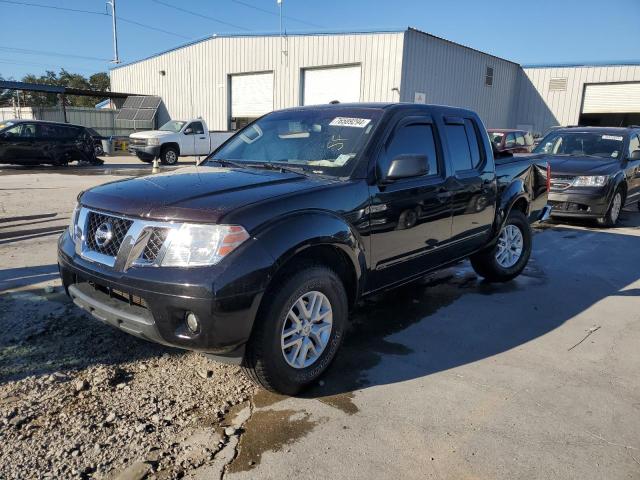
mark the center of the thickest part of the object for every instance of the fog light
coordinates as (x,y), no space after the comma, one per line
(192,322)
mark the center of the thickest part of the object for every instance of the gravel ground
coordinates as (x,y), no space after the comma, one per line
(79,399)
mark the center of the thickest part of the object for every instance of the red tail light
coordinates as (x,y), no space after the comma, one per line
(548,177)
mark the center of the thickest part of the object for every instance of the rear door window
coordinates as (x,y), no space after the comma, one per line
(520,139)
(463,143)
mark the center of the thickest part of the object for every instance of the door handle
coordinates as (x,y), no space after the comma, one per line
(202,138)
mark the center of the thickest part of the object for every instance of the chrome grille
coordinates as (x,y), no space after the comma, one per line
(117,226)
(156,240)
(144,245)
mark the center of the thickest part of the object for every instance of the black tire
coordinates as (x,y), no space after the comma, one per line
(264,362)
(97,148)
(485,262)
(611,217)
(169,156)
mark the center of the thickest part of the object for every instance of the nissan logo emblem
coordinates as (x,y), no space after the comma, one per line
(104,234)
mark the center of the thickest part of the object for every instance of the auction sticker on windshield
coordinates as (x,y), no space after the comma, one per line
(612,137)
(350,122)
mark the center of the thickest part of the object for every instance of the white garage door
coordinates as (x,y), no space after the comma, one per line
(612,98)
(323,85)
(251,94)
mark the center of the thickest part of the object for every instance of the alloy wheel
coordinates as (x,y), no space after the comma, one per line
(306,330)
(510,246)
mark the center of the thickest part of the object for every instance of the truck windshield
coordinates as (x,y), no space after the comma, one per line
(593,144)
(173,126)
(326,141)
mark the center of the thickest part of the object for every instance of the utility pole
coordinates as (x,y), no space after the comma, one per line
(112,3)
(283,46)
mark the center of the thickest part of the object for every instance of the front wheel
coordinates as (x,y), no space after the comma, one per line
(508,257)
(613,213)
(298,331)
(169,156)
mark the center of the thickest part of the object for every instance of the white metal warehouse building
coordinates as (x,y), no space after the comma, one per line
(229,80)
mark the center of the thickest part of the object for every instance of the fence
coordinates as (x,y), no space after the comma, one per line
(101,120)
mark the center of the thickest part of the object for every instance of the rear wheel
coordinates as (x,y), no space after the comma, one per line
(613,213)
(508,257)
(298,331)
(169,156)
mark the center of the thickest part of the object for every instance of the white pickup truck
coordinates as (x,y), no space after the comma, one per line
(176,138)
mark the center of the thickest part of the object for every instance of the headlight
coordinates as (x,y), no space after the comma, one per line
(194,245)
(153,141)
(72,222)
(590,181)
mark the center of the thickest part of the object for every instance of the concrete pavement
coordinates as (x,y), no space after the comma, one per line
(534,379)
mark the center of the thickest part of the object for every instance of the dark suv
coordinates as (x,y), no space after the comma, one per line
(36,142)
(596,171)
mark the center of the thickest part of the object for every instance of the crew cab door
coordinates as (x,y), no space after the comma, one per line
(472,185)
(410,218)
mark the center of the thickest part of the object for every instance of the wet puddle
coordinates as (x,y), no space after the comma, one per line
(269,431)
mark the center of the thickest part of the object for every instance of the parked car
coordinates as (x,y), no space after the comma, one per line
(174,139)
(36,142)
(512,141)
(257,256)
(596,171)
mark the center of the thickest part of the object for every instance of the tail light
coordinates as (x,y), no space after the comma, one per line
(548,177)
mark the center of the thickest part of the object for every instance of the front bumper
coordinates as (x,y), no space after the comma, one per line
(145,151)
(152,302)
(584,205)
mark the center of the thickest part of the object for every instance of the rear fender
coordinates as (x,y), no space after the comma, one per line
(516,192)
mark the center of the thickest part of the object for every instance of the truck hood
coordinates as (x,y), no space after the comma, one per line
(152,134)
(195,194)
(579,165)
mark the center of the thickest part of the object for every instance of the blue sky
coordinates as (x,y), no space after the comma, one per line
(34,39)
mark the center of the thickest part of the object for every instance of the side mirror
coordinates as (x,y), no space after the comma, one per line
(635,155)
(188,131)
(406,166)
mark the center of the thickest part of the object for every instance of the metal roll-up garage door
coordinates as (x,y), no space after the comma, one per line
(612,98)
(251,94)
(611,104)
(324,85)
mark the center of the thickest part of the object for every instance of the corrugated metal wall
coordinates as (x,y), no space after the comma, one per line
(196,79)
(542,107)
(102,120)
(451,74)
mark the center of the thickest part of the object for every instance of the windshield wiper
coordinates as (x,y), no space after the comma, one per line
(280,168)
(226,163)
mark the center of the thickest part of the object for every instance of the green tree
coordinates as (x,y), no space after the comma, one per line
(98,81)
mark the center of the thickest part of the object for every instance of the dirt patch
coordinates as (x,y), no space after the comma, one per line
(342,402)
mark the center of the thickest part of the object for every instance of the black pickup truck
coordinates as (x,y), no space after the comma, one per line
(257,255)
